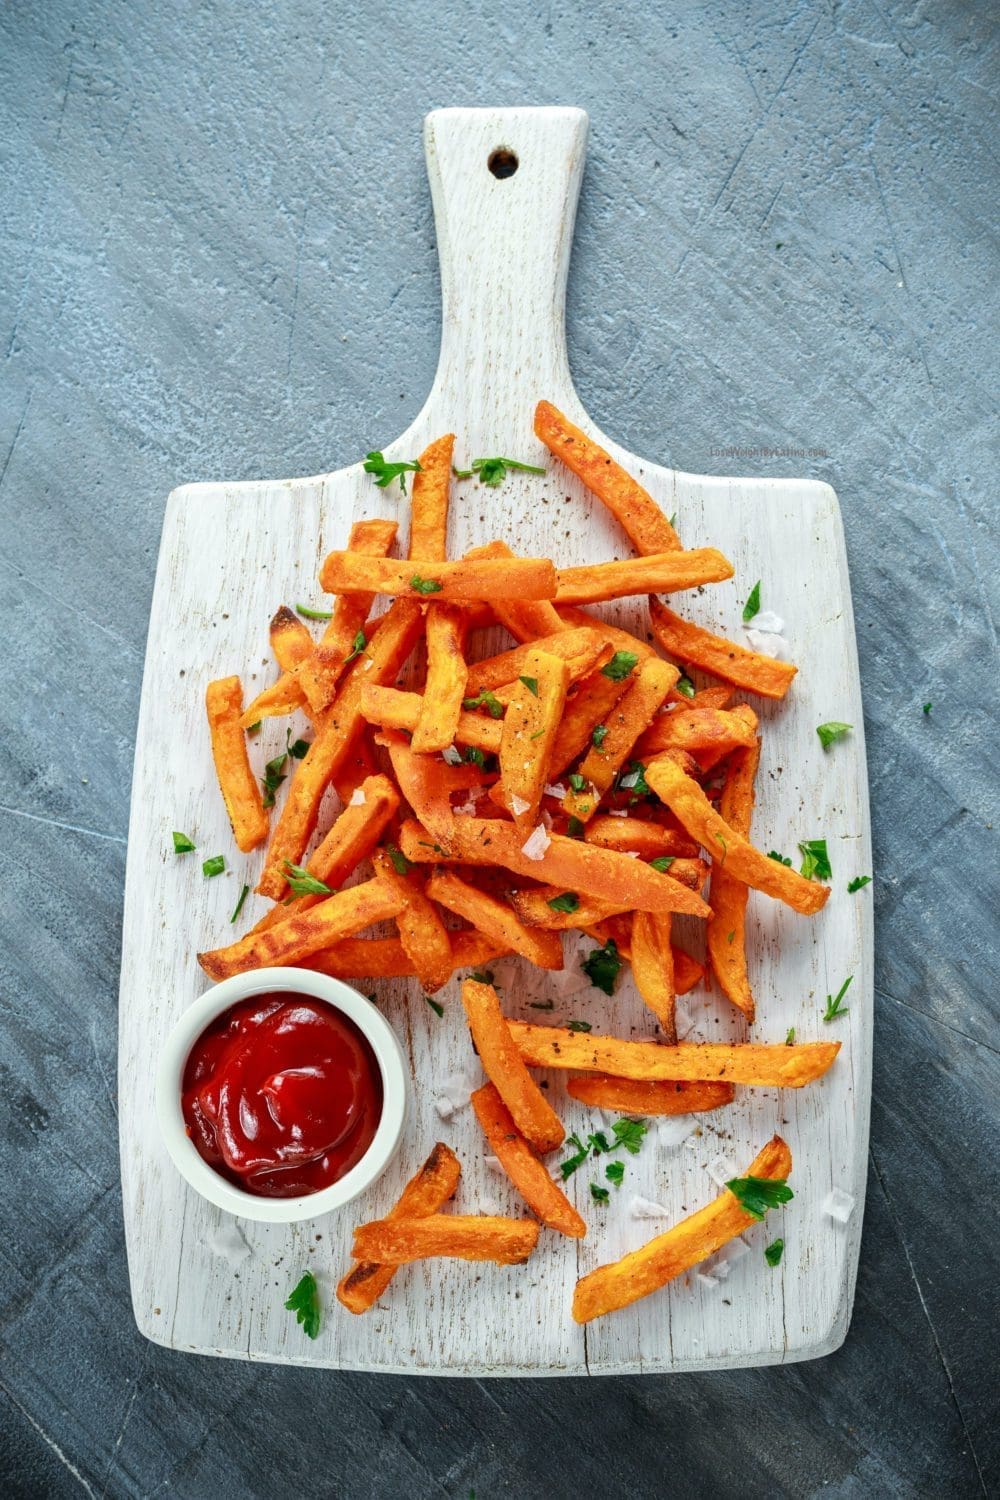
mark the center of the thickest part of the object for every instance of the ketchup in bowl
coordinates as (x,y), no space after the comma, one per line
(282,1095)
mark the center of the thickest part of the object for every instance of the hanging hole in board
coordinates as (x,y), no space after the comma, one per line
(503,162)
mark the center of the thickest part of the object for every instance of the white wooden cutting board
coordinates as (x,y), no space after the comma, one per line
(230,554)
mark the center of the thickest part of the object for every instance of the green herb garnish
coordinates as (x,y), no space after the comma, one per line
(400,863)
(357,647)
(531,683)
(474,756)
(493,471)
(662,862)
(304,1303)
(686,687)
(569,1166)
(435,1007)
(598,735)
(601,966)
(833,1005)
(299,750)
(615,1172)
(774,1252)
(486,700)
(425,585)
(859,882)
(752,606)
(778,858)
(385,472)
(568,901)
(629,1135)
(244,893)
(756,1195)
(574,828)
(790,1036)
(301,883)
(482,976)
(928,707)
(577,782)
(541,1005)
(620,665)
(214,866)
(182,844)
(831,732)
(815,860)
(599,1194)
(313,614)
(578,1026)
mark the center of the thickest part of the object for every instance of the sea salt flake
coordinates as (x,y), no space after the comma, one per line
(734,1251)
(618,812)
(645,1208)
(674,1130)
(722,1170)
(518,805)
(536,844)
(768,621)
(228,1242)
(554,789)
(767,643)
(453,1093)
(705,1280)
(357,798)
(451,756)
(838,1205)
(492,1164)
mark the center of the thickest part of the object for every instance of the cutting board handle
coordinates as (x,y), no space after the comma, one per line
(505,184)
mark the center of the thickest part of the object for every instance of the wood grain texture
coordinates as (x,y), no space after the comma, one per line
(230,554)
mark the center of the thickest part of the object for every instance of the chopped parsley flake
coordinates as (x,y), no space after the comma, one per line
(859,882)
(214,866)
(486,700)
(815,860)
(602,965)
(182,844)
(400,863)
(831,732)
(756,1195)
(425,585)
(620,665)
(662,862)
(834,1008)
(568,901)
(579,1026)
(599,1194)
(384,473)
(304,1303)
(775,1250)
(531,683)
(301,883)
(686,687)
(493,471)
(752,606)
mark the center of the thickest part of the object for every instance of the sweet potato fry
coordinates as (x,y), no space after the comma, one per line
(427,783)
(395,709)
(424,1194)
(290,639)
(322,670)
(687,971)
(699,729)
(307,932)
(576,646)
(337,731)
(355,768)
(282,697)
(239,786)
(602,1091)
(662,573)
(429,500)
(422,933)
(509,1242)
(639,836)
(536,909)
(351,838)
(495,920)
(642,520)
(707,697)
(741,860)
(590,706)
(526,619)
(621,640)
(725,933)
(568,863)
(529,730)
(385,958)
(444,688)
(423,578)
(653,969)
(688,1062)
(533,1114)
(693,1240)
(650,683)
(523,1167)
(712,653)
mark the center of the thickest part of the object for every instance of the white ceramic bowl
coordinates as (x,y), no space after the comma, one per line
(388,1054)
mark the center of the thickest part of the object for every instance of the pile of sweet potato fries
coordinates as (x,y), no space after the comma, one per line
(573,781)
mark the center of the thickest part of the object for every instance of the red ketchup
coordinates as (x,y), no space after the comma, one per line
(282,1095)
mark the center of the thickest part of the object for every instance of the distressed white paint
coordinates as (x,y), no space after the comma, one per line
(230,555)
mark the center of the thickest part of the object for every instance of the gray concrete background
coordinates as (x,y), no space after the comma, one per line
(218,261)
